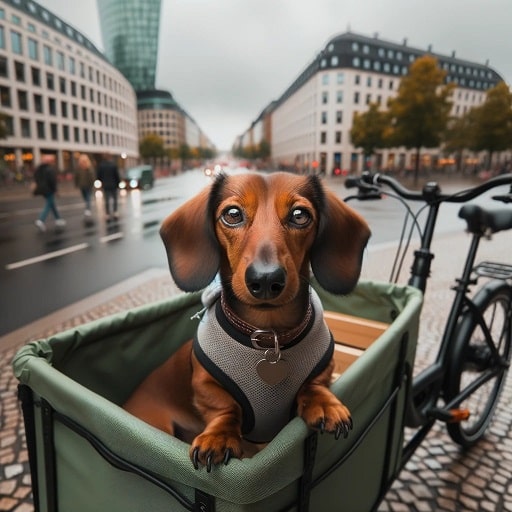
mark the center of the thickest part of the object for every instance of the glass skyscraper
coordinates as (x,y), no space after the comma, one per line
(129,29)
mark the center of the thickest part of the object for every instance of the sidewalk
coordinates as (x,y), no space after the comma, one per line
(440,476)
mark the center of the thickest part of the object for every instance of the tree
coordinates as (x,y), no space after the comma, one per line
(420,111)
(492,122)
(151,147)
(369,129)
(458,134)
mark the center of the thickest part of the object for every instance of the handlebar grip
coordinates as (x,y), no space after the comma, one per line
(352,182)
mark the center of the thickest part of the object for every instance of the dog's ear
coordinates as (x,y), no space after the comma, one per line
(192,248)
(337,252)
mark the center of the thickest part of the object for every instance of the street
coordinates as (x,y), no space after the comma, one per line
(43,272)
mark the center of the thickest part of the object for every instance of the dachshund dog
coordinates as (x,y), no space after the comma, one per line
(262,352)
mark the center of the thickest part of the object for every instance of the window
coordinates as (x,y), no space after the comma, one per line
(64,108)
(22,100)
(339,96)
(2,37)
(84,114)
(60,61)
(83,94)
(19,69)
(323,137)
(368,99)
(38,103)
(334,60)
(16,44)
(36,76)
(340,78)
(325,79)
(54,131)
(325,97)
(391,85)
(62,85)
(324,117)
(50,81)
(75,111)
(72,66)
(356,97)
(48,55)
(380,83)
(25,128)
(73,88)
(4,69)
(52,106)
(41,130)
(5,96)
(33,49)
(369,81)
(357,79)
(337,137)
(339,116)
(76,133)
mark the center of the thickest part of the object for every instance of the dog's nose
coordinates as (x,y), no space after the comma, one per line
(265,282)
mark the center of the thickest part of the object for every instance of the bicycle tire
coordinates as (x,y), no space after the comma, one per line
(471,357)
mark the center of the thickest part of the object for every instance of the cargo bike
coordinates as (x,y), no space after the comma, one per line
(87,454)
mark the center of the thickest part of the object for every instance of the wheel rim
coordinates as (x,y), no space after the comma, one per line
(479,360)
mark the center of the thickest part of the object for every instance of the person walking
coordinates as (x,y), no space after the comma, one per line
(84,180)
(108,174)
(45,177)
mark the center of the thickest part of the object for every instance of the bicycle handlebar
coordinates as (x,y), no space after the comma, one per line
(369,186)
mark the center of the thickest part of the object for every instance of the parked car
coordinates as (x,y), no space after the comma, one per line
(141,177)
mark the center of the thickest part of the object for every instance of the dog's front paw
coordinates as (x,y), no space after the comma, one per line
(326,414)
(212,449)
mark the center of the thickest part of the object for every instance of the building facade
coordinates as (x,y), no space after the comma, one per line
(160,114)
(129,30)
(311,122)
(58,93)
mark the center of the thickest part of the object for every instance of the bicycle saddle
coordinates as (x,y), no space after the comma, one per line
(482,221)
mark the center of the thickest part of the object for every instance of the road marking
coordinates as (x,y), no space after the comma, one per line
(113,236)
(47,256)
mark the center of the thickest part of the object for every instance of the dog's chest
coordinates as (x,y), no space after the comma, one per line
(264,389)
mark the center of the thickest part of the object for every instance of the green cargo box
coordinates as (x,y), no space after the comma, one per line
(88,454)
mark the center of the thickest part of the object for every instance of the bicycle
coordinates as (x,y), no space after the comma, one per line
(463,385)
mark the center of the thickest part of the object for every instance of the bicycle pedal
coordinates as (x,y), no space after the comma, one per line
(450,415)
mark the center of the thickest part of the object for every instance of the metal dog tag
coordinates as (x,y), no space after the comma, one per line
(273,372)
(272,369)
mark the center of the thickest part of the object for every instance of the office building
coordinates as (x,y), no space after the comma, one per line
(58,93)
(129,30)
(310,123)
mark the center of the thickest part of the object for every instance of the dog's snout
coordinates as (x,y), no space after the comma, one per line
(265,282)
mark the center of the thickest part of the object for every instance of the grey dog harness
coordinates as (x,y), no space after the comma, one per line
(232,359)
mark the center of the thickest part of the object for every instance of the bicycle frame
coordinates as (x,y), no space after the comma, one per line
(426,388)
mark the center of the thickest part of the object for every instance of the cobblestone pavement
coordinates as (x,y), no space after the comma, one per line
(439,477)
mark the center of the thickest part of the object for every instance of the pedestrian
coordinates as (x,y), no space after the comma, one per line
(84,180)
(45,177)
(108,174)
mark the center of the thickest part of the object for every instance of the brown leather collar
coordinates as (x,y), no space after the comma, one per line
(266,337)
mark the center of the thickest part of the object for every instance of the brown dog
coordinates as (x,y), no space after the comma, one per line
(263,235)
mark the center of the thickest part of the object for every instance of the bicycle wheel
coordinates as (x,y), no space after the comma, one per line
(479,363)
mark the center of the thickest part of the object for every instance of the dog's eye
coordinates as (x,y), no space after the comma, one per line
(232,216)
(300,217)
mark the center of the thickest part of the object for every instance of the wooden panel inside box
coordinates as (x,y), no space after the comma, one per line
(353,335)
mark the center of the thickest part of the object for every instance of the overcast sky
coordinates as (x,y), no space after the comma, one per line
(225,60)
